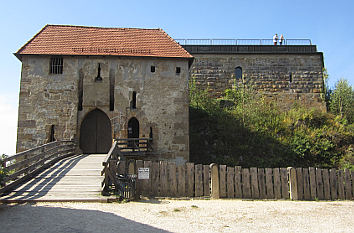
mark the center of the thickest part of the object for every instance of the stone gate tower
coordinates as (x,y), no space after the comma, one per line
(96,84)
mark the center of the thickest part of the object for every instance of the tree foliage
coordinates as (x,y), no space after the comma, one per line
(342,100)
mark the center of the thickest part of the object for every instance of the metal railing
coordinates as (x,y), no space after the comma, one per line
(241,42)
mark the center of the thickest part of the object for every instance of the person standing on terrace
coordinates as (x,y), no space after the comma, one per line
(281,39)
(275,39)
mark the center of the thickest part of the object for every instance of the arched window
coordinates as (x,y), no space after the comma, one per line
(238,72)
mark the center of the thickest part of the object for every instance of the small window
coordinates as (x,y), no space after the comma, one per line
(52,133)
(238,72)
(152,69)
(133,101)
(56,65)
(290,78)
(178,70)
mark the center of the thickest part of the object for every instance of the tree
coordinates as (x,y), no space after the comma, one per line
(342,100)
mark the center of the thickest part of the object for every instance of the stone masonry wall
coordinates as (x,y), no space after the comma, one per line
(285,78)
(162,100)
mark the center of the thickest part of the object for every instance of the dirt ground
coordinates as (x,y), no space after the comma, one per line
(179,216)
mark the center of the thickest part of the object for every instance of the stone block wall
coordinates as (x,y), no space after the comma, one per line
(161,100)
(284,77)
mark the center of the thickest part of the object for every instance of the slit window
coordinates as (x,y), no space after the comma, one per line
(133,101)
(56,65)
(238,73)
(152,69)
(290,78)
(52,133)
(178,70)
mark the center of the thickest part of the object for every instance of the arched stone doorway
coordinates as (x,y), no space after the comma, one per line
(133,128)
(96,133)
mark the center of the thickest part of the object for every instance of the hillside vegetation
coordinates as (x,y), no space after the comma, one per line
(243,129)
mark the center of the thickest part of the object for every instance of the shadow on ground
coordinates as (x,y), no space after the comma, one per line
(40,219)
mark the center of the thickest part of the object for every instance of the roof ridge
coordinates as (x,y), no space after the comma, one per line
(173,40)
(83,26)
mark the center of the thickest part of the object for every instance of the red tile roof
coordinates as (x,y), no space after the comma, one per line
(80,40)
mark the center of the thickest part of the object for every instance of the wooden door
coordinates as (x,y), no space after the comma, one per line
(96,133)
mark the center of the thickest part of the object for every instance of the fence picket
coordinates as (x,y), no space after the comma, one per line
(190,179)
(206,180)
(300,184)
(341,194)
(333,183)
(230,187)
(348,185)
(163,179)
(198,180)
(246,190)
(172,179)
(147,183)
(222,182)
(326,187)
(319,184)
(181,180)
(254,182)
(155,179)
(139,183)
(238,190)
(305,174)
(277,184)
(269,183)
(261,183)
(313,185)
(284,183)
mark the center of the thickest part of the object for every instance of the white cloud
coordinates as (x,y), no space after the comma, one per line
(8,124)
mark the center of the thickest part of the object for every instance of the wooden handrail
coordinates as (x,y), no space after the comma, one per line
(26,164)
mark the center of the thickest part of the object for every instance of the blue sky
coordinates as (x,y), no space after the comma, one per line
(327,23)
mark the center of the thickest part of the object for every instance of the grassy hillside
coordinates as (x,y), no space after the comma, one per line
(243,129)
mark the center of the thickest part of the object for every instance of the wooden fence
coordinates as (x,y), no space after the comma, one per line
(166,179)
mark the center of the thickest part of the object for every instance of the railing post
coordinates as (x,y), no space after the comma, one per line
(214,178)
(293,183)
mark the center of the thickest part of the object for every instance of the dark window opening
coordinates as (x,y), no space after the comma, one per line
(111,90)
(290,78)
(152,69)
(150,134)
(99,78)
(238,72)
(56,65)
(52,132)
(80,90)
(133,132)
(133,101)
(178,70)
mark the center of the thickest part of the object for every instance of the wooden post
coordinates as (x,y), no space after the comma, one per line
(333,183)
(313,185)
(293,183)
(341,194)
(181,180)
(222,180)
(198,179)
(319,183)
(139,183)
(163,179)
(238,190)
(131,167)
(155,179)
(305,172)
(326,187)
(246,189)
(269,183)
(254,183)
(214,179)
(277,184)
(300,183)
(348,185)
(147,183)
(284,183)
(206,180)
(190,179)
(230,187)
(172,180)
(261,183)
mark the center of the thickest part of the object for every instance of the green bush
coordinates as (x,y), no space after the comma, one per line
(243,129)
(3,171)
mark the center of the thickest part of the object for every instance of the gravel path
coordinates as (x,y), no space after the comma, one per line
(179,216)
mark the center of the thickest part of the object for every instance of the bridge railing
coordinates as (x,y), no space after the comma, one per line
(241,41)
(22,166)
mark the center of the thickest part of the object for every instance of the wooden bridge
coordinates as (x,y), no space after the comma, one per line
(53,172)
